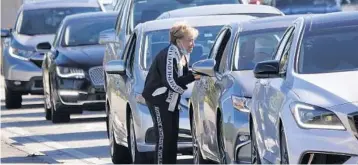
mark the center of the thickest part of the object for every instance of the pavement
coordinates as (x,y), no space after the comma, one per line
(26,137)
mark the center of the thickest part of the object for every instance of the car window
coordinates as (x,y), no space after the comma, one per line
(256,46)
(86,32)
(155,41)
(281,46)
(215,47)
(285,55)
(127,48)
(328,51)
(46,21)
(221,48)
(131,53)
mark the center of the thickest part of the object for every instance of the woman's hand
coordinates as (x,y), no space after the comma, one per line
(196,76)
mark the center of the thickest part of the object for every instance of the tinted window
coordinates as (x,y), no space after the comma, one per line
(256,46)
(46,21)
(86,33)
(145,10)
(329,51)
(157,40)
(287,3)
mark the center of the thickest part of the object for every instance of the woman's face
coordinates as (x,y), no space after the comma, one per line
(187,42)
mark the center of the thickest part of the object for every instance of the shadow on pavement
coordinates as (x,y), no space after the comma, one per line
(43,122)
(34,114)
(24,106)
(20,159)
(91,152)
(77,136)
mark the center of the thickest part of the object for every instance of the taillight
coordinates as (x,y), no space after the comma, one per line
(257,2)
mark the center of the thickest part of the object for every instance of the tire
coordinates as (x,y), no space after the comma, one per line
(59,117)
(137,157)
(198,158)
(119,154)
(255,156)
(13,100)
(283,147)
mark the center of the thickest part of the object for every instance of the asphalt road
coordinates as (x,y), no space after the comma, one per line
(83,140)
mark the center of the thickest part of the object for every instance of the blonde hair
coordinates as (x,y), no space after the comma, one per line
(180,30)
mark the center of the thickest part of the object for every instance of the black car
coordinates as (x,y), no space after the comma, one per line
(72,68)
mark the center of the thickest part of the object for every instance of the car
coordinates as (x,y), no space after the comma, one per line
(133,12)
(307,6)
(21,65)
(304,105)
(130,125)
(223,9)
(73,77)
(220,100)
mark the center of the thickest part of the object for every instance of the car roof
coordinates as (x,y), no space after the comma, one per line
(220,9)
(41,4)
(89,16)
(194,21)
(332,20)
(269,22)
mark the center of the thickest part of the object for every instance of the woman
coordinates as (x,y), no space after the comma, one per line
(166,81)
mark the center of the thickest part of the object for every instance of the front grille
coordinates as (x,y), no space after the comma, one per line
(353,121)
(97,76)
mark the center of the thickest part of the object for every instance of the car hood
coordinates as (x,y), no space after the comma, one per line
(327,90)
(85,56)
(32,41)
(245,82)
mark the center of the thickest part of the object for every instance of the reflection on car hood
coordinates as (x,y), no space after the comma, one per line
(246,82)
(327,90)
(32,41)
(85,56)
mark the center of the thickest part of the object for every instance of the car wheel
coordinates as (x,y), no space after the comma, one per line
(13,100)
(283,147)
(57,114)
(119,154)
(137,157)
(198,158)
(255,156)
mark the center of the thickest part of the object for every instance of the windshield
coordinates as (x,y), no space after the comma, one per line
(86,33)
(155,41)
(145,10)
(46,21)
(329,51)
(287,3)
(256,46)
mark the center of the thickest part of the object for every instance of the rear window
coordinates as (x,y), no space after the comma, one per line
(145,10)
(287,3)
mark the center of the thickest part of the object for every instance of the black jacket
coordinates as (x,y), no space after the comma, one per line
(163,80)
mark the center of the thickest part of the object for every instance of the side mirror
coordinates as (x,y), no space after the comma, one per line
(5,33)
(107,36)
(267,69)
(115,67)
(205,67)
(43,47)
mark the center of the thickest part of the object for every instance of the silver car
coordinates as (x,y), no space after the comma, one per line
(304,105)
(219,104)
(130,123)
(36,22)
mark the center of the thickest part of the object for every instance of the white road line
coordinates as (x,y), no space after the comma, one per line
(44,144)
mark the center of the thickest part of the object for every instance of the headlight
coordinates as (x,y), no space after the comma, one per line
(241,103)
(67,72)
(140,99)
(20,54)
(309,116)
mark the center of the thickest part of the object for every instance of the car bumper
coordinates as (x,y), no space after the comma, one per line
(21,75)
(146,136)
(326,145)
(76,95)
